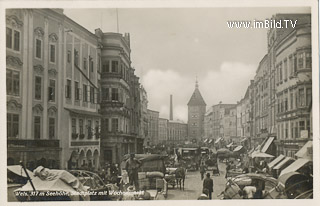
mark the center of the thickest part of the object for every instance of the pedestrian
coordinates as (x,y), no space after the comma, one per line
(132,166)
(227,169)
(208,184)
(204,195)
(202,170)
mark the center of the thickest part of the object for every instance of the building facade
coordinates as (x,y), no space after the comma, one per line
(50,122)
(196,113)
(120,98)
(293,68)
(153,128)
(163,130)
(177,132)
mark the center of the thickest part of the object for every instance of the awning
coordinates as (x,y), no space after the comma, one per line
(244,139)
(284,161)
(295,166)
(229,145)
(210,141)
(205,140)
(238,148)
(251,151)
(218,140)
(257,148)
(260,154)
(276,161)
(267,144)
(304,151)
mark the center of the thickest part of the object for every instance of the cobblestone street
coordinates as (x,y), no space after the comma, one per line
(193,186)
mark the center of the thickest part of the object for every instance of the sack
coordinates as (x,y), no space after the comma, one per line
(155,174)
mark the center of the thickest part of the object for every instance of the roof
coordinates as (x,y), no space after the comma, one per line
(295,166)
(196,99)
(303,152)
(276,161)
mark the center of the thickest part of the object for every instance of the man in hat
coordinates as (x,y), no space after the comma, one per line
(208,184)
(132,166)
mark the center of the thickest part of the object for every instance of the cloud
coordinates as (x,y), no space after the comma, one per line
(227,84)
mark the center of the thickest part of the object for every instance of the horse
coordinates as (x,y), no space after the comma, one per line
(180,176)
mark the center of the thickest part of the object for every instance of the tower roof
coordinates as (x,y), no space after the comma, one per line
(196,98)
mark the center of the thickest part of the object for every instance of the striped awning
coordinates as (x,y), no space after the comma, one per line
(295,166)
(267,144)
(229,145)
(218,140)
(205,140)
(276,161)
(284,161)
(244,139)
(210,141)
(238,148)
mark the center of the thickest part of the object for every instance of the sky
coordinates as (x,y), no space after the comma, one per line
(171,47)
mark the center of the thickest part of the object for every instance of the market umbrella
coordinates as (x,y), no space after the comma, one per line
(223,151)
(260,154)
(18,170)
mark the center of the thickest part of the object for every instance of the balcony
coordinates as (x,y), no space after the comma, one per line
(110,75)
(106,103)
(21,143)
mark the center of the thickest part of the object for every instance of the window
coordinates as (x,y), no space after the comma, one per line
(107,125)
(105,94)
(12,125)
(13,40)
(292,130)
(76,57)
(9,38)
(38,88)
(291,71)
(13,82)
(76,91)
(114,125)
(52,90)
(286,131)
(291,100)
(308,127)
(114,66)
(37,127)
(285,70)
(308,60)
(52,53)
(52,128)
(114,94)
(280,72)
(38,48)
(85,93)
(69,56)
(91,63)
(91,95)
(89,129)
(81,126)
(300,61)
(73,126)
(68,89)
(84,63)
(301,125)
(301,97)
(309,96)
(105,67)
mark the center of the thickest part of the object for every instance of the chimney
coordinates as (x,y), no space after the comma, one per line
(171,110)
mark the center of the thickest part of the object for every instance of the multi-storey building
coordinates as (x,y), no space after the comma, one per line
(208,124)
(144,118)
(163,130)
(153,126)
(120,98)
(293,69)
(230,124)
(177,132)
(52,86)
(196,112)
(261,128)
